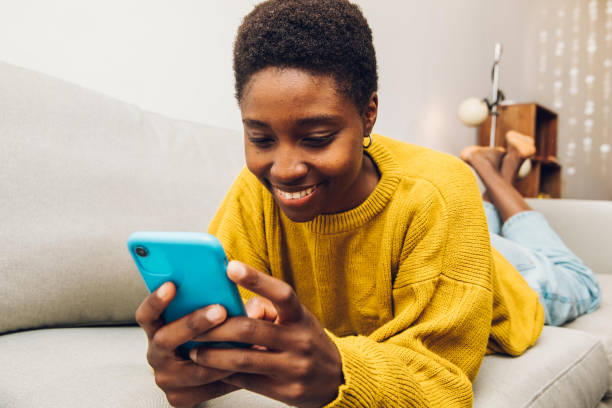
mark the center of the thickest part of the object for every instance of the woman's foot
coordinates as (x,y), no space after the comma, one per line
(473,154)
(520,147)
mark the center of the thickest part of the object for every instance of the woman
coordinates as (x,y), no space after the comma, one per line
(366,261)
(566,287)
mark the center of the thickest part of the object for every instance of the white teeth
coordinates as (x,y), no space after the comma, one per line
(295,195)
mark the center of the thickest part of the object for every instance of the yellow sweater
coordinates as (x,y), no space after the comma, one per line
(406,284)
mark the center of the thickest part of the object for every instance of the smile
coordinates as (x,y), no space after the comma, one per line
(294,195)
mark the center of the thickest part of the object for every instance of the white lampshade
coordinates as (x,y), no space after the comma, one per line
(473,111)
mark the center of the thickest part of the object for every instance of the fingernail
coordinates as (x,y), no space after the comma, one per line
(193,354)
(162,292)
(214,314)
(238,271)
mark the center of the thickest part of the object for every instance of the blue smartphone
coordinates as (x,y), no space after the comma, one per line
(196,263)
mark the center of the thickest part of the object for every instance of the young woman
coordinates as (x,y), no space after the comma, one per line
(566,287)
(366,261)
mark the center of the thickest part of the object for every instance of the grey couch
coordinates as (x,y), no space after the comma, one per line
(79,172)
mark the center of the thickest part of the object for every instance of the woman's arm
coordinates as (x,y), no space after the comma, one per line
(426,356)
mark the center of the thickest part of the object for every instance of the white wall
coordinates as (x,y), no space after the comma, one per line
(560,38)
(174,57)
(171,57)
(434,54)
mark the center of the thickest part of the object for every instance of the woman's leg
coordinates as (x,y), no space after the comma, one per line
(494,156)
(567,288)
(520,147)
(498,183)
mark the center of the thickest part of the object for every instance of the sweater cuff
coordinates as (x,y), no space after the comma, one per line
(357,390)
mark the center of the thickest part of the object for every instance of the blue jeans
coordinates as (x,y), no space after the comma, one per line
(566,287)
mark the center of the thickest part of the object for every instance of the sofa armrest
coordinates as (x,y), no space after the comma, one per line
(584,225)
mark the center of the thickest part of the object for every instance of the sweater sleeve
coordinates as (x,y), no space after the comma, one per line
(430,351)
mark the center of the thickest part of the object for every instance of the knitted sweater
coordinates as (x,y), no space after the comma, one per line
(406,284)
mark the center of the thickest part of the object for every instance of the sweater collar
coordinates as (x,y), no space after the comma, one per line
(373,205)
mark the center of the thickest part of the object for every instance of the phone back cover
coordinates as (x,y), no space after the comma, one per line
(195,263)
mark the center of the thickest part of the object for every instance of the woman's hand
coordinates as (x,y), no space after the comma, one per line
(184,382)
(261,308)
(294,360)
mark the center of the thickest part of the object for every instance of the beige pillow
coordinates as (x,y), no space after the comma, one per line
(79,172)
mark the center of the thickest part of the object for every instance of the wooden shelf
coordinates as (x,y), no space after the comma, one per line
(540,123)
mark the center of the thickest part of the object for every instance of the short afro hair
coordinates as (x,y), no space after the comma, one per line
(322,37)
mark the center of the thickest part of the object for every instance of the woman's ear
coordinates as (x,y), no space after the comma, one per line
(370,113)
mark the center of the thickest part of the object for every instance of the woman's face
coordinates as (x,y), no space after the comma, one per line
(304,142)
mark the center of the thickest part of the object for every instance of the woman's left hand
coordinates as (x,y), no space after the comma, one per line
(296,362)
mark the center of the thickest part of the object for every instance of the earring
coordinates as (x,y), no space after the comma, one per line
(369,136)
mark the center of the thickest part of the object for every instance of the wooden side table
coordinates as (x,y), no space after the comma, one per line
(535,121)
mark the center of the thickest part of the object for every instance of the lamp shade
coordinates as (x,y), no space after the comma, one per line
(473,111)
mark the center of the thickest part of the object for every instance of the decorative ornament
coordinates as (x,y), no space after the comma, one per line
(473,112)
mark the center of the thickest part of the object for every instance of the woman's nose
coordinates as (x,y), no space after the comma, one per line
(288,167)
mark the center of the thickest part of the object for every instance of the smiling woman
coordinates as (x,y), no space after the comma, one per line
(365,261)
(309,154)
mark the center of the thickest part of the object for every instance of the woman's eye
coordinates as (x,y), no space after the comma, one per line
(319,141)
(261,141)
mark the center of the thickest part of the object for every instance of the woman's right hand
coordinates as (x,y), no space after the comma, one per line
(184,382)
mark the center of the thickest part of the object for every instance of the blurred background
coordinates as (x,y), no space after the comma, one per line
(175,58)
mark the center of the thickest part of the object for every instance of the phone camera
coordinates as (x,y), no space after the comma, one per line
(141,251)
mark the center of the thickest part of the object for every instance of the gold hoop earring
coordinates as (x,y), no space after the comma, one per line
(369,136)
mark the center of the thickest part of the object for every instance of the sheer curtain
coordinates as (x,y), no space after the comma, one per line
(574,78)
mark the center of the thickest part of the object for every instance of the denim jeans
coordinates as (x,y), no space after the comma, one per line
(566,287)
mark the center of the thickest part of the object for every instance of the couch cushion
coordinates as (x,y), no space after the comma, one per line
(88,367)
(79,172)
(106,367)
(566,368)
(599,323)
(584,226)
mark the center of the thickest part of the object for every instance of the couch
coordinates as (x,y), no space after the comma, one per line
(80,171)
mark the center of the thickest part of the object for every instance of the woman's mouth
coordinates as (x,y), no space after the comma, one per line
(295,198)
